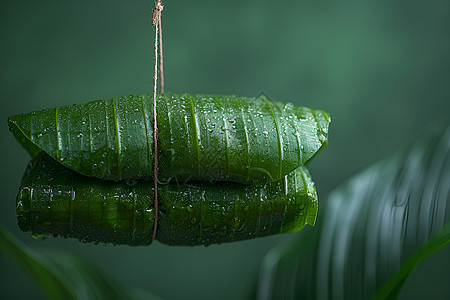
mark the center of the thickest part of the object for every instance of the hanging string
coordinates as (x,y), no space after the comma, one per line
(161,60)
(156,22)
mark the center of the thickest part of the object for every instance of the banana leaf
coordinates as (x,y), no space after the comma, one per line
(201,137)
(54,200)
(371,232)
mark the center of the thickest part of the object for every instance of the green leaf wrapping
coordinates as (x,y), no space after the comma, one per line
(201,137)
(372,232)
(55,200)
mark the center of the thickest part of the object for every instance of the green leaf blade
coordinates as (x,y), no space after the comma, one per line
(48,281)
(371,232)
(64,276)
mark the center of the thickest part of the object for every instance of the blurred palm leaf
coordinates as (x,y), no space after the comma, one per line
(371,233)
(64,276)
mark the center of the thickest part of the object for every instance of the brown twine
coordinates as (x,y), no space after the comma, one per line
(161,61)
(156,21)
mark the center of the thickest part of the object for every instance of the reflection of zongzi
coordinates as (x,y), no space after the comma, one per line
(55,200)
(201,137)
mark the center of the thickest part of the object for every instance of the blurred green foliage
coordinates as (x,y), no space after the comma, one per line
(65,276)
(381,68)
(372,231)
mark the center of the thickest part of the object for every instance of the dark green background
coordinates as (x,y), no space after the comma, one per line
(381,68)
